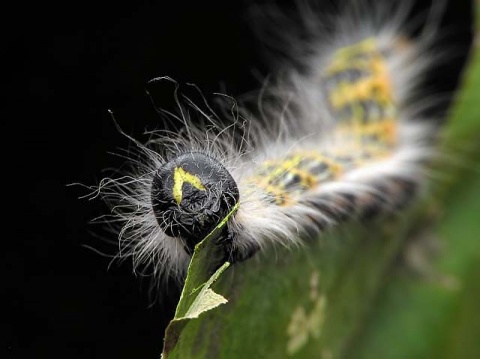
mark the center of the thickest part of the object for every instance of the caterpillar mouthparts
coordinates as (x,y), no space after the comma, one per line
(190,195)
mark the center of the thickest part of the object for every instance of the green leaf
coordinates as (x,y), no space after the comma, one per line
(197,297)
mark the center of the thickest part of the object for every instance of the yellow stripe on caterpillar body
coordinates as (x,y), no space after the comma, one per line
(364,137)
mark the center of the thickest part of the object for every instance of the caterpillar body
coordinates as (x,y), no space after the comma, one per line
(342,140)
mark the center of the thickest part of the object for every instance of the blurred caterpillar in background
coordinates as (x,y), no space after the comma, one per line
(341,137)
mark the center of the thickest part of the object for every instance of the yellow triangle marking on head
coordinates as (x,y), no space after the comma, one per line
(180,176)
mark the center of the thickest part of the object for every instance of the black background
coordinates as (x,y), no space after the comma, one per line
(68,63)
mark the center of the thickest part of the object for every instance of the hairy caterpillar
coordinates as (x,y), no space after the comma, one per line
(341,138)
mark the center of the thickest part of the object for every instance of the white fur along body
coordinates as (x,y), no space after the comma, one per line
(340,137)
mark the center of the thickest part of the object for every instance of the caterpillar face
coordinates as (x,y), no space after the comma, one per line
(190,195)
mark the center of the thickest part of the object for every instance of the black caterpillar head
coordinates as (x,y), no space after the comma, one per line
(191,194)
